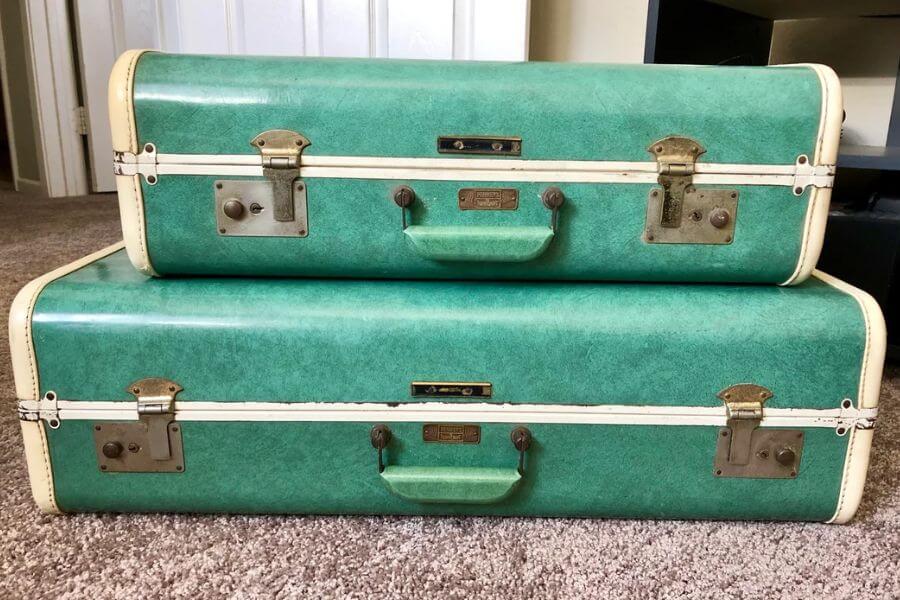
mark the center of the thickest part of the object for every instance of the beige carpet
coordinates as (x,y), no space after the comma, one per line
(147,556)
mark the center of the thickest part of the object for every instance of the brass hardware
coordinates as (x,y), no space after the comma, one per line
(483,199)
(521,439)
(553,198)
(488,199)
(710,213)
(450,389)
(403,196)
(154,441)
(281,150)
(380,436)
(246,207)
(464,144)
(451,433)
(744,449)
(233,209)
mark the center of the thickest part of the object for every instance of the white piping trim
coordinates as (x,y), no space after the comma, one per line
(125,143)
(798,175)
(859,445)
(25,373)
(450,412)
(826,152)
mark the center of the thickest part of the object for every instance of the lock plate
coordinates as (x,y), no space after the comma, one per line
(450,389)
(702,209)
(257,214)
(132,440)
(765,446)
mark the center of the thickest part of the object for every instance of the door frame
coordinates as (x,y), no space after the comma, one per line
(50,61)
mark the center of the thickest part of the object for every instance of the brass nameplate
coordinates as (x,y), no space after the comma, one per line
(488,199)
(479,144)
(450,389)
(451,433)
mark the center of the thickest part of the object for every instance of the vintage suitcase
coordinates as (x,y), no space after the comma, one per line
(326,396)
(418,169)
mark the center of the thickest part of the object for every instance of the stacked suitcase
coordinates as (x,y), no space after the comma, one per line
(408,287)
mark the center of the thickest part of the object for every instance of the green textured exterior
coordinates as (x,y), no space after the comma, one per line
(294,340)
(347,107)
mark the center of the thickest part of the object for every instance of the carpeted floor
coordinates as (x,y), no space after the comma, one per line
(150,556)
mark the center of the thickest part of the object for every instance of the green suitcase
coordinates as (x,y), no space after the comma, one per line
(405,397)
(444,170)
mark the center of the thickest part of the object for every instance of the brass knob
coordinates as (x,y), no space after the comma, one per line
(233,209)
(404,196)
(112,449)
(785,456)
(553,198)
(719,218)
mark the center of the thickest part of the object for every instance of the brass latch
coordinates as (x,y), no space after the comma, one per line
(679,213)
(746,450)
(281,150)
(152,444)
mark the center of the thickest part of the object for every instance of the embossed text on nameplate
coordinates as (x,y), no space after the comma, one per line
(488,199)
(451,433)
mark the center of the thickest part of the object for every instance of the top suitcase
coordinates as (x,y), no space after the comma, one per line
(425,169)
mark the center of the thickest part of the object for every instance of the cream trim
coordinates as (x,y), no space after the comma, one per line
(37,458)
(826,153)
(64,410)
(859,445)
(25,373)
(20,313)
(121,107)
(124,135)
(798,175)
(134,229)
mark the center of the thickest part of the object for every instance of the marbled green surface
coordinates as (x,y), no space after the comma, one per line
(349,107)
(297,340)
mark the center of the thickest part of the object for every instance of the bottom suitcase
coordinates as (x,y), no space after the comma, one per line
(311,396)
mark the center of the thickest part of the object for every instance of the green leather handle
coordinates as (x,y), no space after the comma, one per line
(451,485)
(488,244)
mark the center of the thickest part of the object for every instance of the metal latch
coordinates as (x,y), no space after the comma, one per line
(281,150)
(153,444)
(679,213)
(746,450)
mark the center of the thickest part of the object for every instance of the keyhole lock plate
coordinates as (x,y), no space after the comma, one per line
(247,208)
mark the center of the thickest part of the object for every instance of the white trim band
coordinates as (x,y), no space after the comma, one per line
(611,414)
(800,175)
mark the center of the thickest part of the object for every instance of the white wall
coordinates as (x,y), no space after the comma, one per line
(588,30)
(863,51)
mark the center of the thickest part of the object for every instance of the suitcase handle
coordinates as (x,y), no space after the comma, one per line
(483,244)
(451,485)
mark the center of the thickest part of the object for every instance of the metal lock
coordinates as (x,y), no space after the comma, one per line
(680,213)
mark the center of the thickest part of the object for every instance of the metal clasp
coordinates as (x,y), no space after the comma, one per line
(745,450)
(154,443)
(679,213)
(281,150)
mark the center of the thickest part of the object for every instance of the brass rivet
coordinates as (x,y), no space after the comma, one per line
(132,447)
(148,148)
(261,142)
(302,232)
(174,428)
(299,187)
(179,468)
(219,186)
(658,149)
(233,208)
(102,467)
(802,159)
(798,190)
(151,179)
(112,449)
(222,230)
(718,471)
(650,237)
(136,390)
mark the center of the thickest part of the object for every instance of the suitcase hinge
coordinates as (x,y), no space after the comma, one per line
(153,444)
(679,213)
(745,450)
(281,150)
